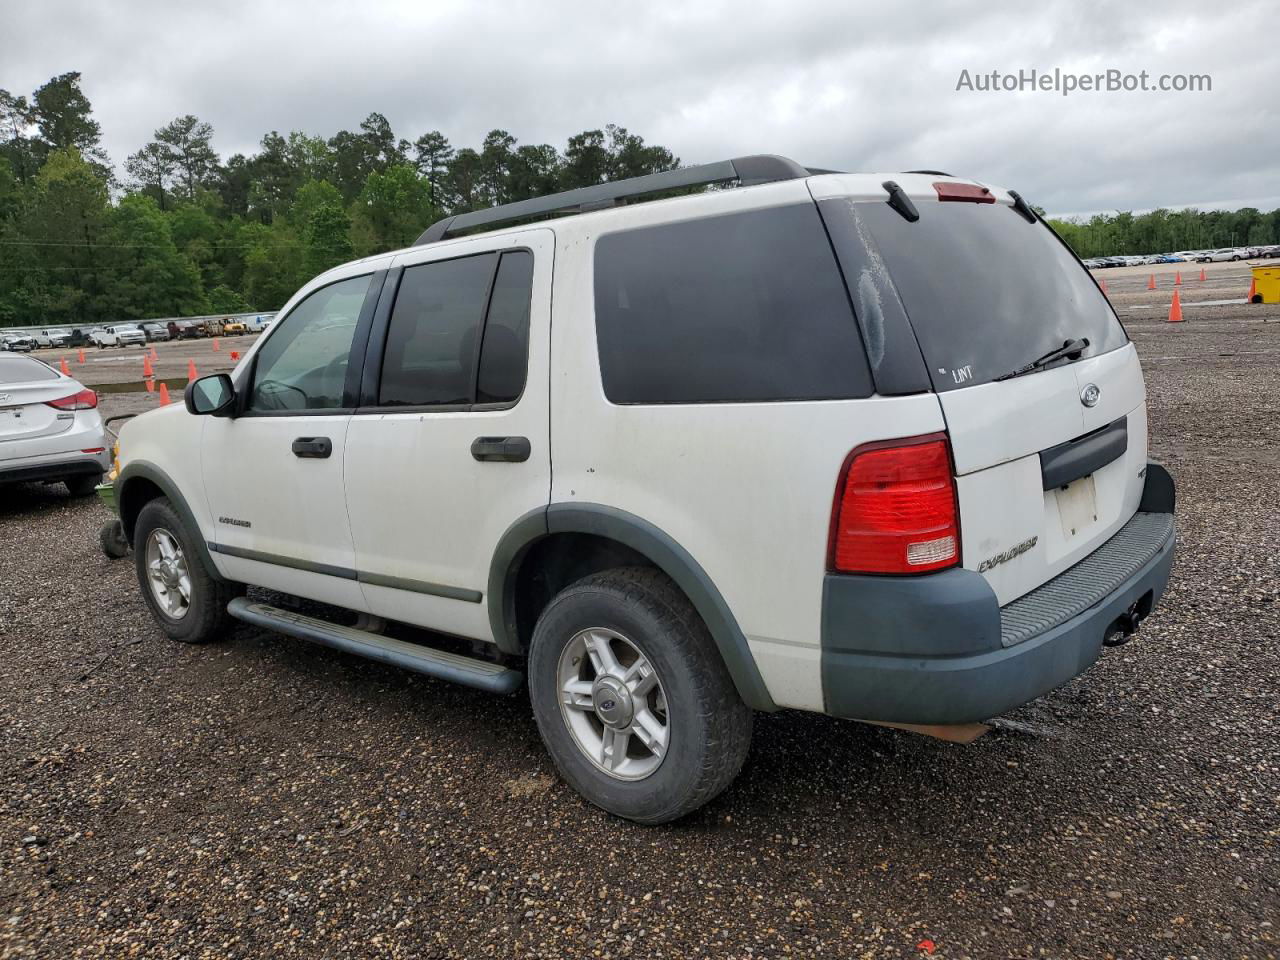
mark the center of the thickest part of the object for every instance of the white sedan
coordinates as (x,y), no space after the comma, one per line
(50,429)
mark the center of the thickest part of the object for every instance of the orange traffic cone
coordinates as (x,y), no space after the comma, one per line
(1202,274)
(235,354)
(66,371)
(155,357)
(151,386)
(191,370)
(1177,278)
(1253,292)
(1175,309)
(1103,285)
(146,366)
(1151,282)
(164,394)
(80,357)
(215,344)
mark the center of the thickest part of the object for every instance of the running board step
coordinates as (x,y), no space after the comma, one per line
(467,671)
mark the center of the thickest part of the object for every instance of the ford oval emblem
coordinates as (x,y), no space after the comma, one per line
(1090,395)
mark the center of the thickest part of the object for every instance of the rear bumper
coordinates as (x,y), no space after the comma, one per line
(939,650)
(54,468)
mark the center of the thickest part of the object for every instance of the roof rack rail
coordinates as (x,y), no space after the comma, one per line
(748,171)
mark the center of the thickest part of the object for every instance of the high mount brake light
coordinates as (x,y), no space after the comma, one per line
(895,509)
(84,400)
(970,192)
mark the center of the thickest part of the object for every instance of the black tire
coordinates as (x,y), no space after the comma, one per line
(112,540)
(83,485)
(710,726)
(206,617)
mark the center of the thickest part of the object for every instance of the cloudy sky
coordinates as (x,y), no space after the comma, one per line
(853,86)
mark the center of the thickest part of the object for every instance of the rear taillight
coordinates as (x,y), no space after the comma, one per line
(895,509)
(84,400)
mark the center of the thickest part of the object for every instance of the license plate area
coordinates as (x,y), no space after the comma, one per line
(1077,507)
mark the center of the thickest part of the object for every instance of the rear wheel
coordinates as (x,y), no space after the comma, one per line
(188,604)
(83,486)
(632,699)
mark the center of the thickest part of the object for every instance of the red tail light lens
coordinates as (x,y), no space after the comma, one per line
(895,509)
(84,400)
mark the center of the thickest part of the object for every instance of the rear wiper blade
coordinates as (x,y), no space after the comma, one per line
(1070,350)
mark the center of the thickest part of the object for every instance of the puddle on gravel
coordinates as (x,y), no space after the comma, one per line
(140,386)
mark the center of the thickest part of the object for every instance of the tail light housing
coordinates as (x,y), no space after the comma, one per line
(895,509)
(84,400)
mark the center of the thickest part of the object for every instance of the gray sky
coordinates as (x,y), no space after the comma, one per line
(828,82)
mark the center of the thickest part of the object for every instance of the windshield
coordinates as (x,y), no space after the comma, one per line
(986,291)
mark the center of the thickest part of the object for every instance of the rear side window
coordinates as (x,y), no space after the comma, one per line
(505,349)
(744,307)
(986,291)
(24,370)
(433,339)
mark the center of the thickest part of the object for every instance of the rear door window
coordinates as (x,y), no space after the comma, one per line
(986,291)
(737,308)
(433,341)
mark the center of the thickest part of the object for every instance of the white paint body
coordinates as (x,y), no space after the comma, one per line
(746,488)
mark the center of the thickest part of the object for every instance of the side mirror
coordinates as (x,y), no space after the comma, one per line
(213,396)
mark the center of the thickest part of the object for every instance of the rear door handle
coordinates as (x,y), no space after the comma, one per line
(317,448)
(501,449)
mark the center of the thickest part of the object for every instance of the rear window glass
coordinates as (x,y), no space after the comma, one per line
(24,370)
(744,307)
(986,291)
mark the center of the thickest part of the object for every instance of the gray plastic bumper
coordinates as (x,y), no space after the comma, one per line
(938,648)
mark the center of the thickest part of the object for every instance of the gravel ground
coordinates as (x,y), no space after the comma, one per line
(263,797)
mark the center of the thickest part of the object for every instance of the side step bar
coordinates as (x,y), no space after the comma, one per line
(469,672)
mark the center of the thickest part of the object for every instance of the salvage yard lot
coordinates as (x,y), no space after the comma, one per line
(263,797)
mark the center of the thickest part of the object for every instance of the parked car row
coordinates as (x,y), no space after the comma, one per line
(1220,255)
(126,334)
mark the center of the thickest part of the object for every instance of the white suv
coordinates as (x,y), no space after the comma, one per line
(873,446)
(120,335)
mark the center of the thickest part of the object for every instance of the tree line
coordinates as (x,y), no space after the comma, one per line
(186,232)
(1166,231)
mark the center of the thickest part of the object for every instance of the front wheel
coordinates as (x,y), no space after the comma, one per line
(188,604)
(632,699)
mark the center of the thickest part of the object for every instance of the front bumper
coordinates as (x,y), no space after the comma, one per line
(939,650)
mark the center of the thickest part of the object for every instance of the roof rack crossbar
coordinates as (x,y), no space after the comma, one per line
(761,168)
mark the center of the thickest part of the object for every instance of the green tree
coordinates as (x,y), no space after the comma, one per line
(327,239)
(152,169)
(63,116)
(395,206)
(63,224)
(149,276)
(310,197)
(17,123)
(431,155)
(222,299)
(273,264)
(186,143)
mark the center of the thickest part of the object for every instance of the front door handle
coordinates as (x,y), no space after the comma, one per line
(317,448)
(502,449)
